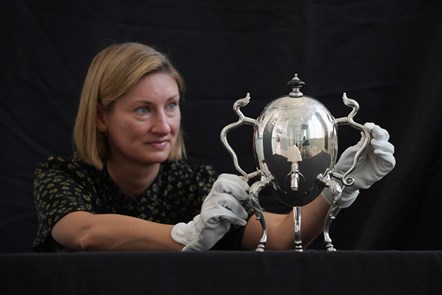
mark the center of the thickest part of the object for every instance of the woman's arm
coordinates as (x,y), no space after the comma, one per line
(94,232)
(81,230)
(280,227)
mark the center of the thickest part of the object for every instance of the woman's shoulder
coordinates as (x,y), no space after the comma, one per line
(64,164)
(58,162)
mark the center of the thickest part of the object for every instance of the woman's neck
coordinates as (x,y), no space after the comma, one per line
(133,180)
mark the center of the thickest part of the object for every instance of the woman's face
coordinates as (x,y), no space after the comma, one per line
(143,125)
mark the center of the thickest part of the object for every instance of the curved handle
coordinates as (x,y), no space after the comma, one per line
(346,179)
(241,120)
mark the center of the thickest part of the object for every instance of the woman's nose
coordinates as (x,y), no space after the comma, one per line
(161,123)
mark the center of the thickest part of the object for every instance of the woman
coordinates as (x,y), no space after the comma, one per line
(128,187)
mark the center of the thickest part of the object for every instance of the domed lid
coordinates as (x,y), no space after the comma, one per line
(295,99)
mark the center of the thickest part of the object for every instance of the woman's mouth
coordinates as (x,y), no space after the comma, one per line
(158,144)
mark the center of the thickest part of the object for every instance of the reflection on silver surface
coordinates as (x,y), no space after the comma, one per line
(295,146)
(295,143)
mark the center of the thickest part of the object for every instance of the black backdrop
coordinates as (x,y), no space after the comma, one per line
(386,54)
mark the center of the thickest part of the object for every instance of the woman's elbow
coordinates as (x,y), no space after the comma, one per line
(75,232)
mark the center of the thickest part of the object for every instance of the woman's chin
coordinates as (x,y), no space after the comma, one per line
(157,158)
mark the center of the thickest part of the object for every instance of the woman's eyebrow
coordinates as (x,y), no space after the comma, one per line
(148,102)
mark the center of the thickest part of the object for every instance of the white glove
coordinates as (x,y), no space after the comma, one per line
(220,208)
(373,164)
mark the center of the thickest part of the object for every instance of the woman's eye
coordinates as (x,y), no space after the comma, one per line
(172,106)
(143,111)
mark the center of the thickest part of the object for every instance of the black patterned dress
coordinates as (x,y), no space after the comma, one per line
(63,185)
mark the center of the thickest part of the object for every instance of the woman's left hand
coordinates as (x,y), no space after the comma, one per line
(376,161)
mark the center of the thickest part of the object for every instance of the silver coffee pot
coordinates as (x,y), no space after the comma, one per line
(295,148)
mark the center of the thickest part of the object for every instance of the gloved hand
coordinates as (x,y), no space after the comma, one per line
(373,164)
(220,208)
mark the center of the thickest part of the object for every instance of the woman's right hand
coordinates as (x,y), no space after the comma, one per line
(220,208)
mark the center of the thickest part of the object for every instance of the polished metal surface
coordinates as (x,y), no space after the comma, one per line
(295,146)
(295,140)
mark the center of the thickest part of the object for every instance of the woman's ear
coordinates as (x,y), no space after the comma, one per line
(101,119)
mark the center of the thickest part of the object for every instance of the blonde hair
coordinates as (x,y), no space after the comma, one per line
(112,73)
